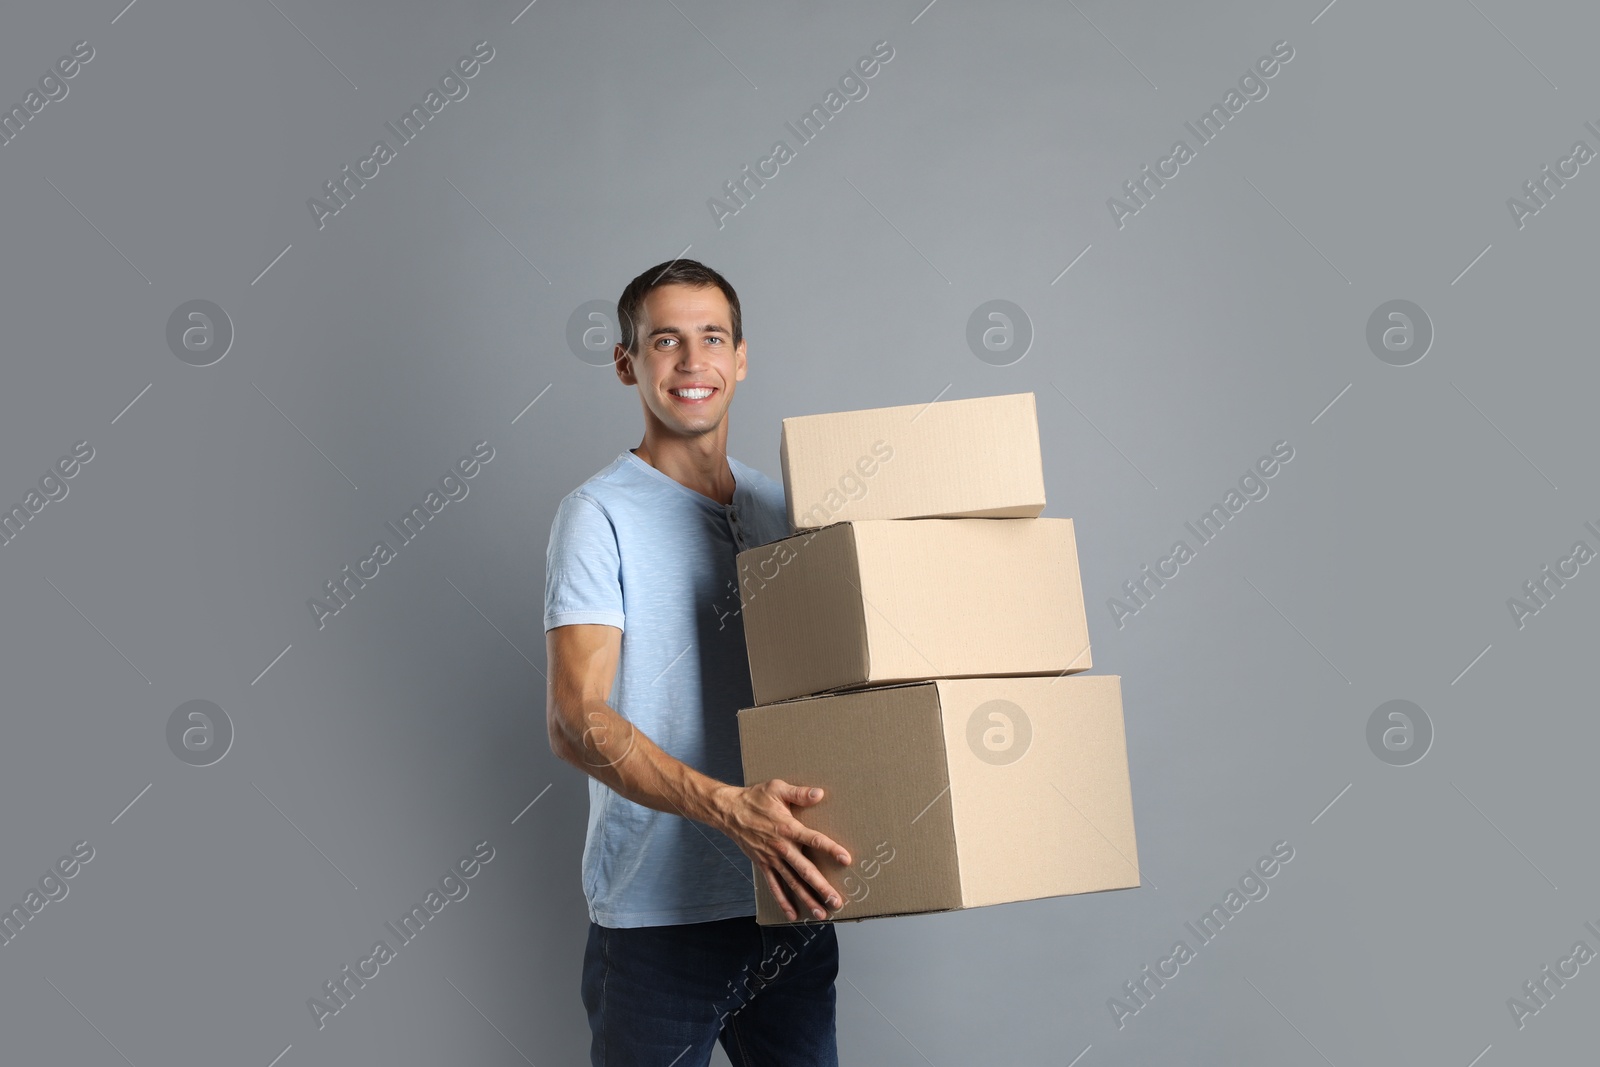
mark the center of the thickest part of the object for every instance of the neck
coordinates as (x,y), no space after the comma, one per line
(700,463)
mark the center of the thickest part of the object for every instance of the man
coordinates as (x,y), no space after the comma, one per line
(647,672)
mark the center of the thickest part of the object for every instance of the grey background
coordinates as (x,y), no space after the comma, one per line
(1225,316)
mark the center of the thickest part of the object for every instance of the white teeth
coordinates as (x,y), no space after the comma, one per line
(691,394)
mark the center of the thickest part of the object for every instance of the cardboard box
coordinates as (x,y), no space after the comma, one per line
(881,601)
(955,793)
(952,459)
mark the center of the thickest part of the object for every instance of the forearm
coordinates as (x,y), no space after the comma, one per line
(618,754)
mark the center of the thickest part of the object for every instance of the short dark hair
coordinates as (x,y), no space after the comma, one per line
(630,306)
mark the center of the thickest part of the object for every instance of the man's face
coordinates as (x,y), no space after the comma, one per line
(685,348)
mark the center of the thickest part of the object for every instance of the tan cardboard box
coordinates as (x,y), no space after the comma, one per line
(956,793)
(890,600)
(952,458)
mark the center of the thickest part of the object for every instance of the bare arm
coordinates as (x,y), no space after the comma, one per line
(588,733)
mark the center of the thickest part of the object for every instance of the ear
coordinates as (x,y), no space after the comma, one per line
(623,363)
(740,363)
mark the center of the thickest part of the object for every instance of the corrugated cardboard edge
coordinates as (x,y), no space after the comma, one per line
(1085,660)
(783,468)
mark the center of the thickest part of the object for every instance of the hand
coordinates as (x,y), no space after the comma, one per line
(760,820)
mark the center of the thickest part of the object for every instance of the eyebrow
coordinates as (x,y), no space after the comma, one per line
(709,327)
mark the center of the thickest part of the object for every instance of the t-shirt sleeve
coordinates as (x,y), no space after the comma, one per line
(583,567)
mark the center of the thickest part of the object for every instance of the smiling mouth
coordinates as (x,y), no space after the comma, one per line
(694,394)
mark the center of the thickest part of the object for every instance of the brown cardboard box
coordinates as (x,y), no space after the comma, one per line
(956,793)
(891,600)
(952,458)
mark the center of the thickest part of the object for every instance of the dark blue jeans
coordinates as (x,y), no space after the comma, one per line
(661,996)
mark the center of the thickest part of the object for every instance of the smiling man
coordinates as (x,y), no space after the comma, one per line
(646,680)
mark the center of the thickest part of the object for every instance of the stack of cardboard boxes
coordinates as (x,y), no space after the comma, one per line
(914,651)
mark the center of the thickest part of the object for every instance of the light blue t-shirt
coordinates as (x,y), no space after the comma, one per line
(634,548)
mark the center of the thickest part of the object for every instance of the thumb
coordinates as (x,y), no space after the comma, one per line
(799,794)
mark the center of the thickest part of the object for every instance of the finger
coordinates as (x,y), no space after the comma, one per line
(805,796)
(778,893)
(803,899)
(816,839)
(812,878)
